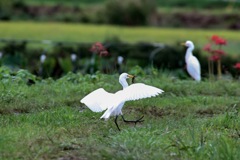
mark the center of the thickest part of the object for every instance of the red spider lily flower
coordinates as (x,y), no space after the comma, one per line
(219,52)
(237,66)
(98,48)
(218,40)
(104,53)
(207,48)
(214,58)
(221,41)
(214,38)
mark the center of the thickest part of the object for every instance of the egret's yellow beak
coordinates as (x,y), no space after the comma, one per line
(183,44)
(130,76)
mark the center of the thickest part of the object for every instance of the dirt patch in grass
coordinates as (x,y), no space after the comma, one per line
(155,111)
(71,158)
(209,112)
(72,103)
(205,112)
(69,147)
(19,111)
(15,111)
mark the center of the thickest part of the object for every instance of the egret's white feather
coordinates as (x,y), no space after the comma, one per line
(139,91)
(98,100)
(193,68)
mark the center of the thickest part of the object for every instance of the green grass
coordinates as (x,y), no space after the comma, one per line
(92,33)
(189,121)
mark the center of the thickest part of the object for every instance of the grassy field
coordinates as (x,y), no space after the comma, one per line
(189,121)
(93,33)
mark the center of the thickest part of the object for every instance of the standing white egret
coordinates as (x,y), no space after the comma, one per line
(100,100)
(193,65)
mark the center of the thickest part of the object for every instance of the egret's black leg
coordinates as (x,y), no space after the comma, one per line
(132,121)
(117,123)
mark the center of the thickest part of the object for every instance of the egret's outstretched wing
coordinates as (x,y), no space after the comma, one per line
(98,100)
(139,91)
(193,67)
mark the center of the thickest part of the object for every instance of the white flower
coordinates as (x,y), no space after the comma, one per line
(43,58)
(120,59)
(73,57)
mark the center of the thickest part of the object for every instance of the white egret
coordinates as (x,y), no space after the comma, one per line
(100,100)
(193,65)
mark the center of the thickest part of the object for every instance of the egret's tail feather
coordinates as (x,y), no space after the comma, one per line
(198,78)
(106,115)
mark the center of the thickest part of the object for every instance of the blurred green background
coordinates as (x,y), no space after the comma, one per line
(146,33)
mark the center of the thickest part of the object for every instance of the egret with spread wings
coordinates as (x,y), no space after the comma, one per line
(100,100)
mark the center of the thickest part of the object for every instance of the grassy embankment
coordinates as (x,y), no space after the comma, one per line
(93,33)
(189,121)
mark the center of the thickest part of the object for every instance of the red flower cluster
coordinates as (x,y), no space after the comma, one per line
(218,40)
(215,53)
(237,66)
(214,58)
(99,49)
(218,52)
(207,47)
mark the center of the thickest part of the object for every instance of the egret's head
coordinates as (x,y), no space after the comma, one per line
(188,44)
(123,77)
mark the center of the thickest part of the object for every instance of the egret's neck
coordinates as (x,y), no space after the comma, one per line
(188,53)
(123,82)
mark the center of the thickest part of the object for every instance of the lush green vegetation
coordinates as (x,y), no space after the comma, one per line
(179,14)
(137,51)
(160,3)
(92,33)
(63,2)
(189,121)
